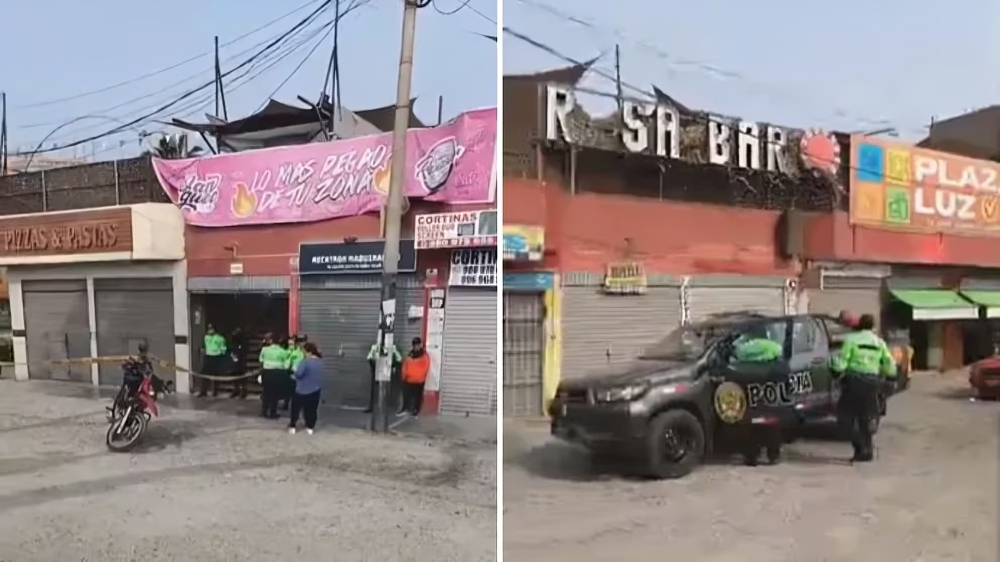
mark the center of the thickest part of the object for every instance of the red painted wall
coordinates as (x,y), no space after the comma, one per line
(266,250)
(832,237)
(587,231)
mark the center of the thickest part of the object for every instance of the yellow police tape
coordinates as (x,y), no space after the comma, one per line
(156,361)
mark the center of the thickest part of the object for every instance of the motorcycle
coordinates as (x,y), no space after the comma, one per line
(134,406)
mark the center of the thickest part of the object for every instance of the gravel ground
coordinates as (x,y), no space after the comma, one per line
(930,496)
(213,487)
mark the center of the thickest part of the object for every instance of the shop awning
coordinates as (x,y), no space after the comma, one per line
(988,299)
(937,304)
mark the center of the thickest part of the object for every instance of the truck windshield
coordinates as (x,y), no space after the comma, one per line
(686,343)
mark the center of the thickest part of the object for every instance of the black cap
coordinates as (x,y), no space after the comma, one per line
(417,341)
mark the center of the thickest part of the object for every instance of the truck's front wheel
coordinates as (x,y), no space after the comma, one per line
(675,444)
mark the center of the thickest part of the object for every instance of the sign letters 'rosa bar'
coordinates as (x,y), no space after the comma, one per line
(453,163)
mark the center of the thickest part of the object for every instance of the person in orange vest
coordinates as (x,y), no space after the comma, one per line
(416,366)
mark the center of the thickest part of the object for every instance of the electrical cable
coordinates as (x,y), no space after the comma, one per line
(296,28)
(464,4)
(167,69)
(676,62)
(707,119)
(145,97)
(297,68)
(200,102)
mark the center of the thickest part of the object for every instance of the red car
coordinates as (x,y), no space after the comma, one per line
(984,378)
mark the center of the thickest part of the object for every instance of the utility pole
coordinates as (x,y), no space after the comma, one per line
(392,225)
(220,93)
(217,88)
(3,134)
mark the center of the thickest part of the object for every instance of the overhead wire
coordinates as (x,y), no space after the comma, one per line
(296,28)
(297,68)
(169,68)
(257,69)
(183,81)
(677,62)
(464,4)
(708,118)
(201,101)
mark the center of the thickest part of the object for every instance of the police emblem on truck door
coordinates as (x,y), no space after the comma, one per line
(784,393)
(730,402)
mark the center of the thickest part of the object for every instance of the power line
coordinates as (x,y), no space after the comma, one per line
(294,30)
(298,67)
(705,117)
(167,69)
(145,97)
(678,62)
(466,4)
(275,55)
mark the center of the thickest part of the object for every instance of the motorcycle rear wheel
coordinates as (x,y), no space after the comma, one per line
(132,429)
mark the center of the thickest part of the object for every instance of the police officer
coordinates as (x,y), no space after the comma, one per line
(865,363)
(756,347)
(274,376)
(238,357)
(215,360)
(296,355)
(397,360)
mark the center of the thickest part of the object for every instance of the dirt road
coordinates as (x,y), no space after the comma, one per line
(930,496)
(213,487)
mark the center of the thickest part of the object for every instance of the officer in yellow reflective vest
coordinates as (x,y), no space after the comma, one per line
(865,363)
(397,360)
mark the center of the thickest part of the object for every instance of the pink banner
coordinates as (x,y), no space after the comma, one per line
(453,163)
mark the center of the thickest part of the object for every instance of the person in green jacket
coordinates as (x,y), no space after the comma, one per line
(215,360)
(295,356)
(864,365)
(273,377)
(756,347)
(397,361)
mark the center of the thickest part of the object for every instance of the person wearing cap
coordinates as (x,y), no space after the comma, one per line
(864,363)
(397,359)
(416,366)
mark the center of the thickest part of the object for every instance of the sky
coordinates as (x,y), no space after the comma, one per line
(857,65)
(89,46)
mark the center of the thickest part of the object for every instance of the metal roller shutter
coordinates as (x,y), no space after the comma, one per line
(860,295)
(720,297)
(340,315)
(130,312)
(468,365)
(523,354)
(599,329)
(57,326)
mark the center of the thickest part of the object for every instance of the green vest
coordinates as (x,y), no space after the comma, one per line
(397,357)
(273,357)
(295,356)
(215,345)
(864,353)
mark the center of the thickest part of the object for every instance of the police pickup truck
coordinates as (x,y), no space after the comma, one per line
(690,395)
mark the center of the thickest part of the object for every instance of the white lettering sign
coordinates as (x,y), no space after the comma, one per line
(936,171)
(469,229)
(473,268)
(655,128)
